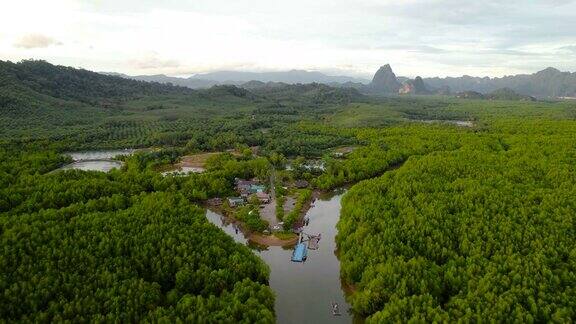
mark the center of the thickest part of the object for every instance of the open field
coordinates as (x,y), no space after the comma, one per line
(196,160)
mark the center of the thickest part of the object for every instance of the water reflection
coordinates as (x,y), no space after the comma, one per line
(96,160)
(103,165)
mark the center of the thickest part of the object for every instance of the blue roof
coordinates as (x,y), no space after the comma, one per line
(257,188)
(299,254)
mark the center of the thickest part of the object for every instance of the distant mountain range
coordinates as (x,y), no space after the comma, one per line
(238,78)
(290,77)
(183,82)
(548,83)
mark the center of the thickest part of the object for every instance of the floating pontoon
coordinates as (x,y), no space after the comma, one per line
(300,253)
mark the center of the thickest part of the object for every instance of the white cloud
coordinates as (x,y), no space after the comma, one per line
(571,49)
(154,62)
(418,37)
(35,41)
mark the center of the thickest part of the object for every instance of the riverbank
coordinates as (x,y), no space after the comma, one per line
(304,291)
(267,240)
(272,240)
(261,239)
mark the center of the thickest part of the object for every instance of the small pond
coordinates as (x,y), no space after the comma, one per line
(97,165)
(96,160)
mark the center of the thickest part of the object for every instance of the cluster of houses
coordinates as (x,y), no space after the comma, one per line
(247,188)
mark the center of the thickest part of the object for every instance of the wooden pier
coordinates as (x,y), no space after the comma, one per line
(305,241)
(312,239)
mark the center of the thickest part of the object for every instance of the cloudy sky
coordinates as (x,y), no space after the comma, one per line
(417,37)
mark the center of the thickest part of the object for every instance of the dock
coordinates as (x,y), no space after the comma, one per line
(313,243)
(312,239)
(305,242)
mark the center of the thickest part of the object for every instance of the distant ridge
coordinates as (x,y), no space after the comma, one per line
(290,77)
(161,78)
(548,83)
(208,80)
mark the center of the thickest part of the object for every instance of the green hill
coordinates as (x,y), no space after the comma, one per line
(508,94)
(76,84)
(312,93)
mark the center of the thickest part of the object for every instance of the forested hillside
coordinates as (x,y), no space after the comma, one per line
(69,83)
(480,231)
(70,109)
(312,93)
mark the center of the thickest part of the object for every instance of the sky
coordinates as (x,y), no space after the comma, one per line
(337,37)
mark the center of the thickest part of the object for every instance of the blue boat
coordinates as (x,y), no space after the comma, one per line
(300,253)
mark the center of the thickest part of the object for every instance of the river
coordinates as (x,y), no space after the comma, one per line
(304,291)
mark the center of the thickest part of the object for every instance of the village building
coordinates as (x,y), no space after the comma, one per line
(236,201)
(244,184)
(248,187)
(263,197)
(257,188)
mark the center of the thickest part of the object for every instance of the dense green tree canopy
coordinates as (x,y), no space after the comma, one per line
(481,232)
(124,246)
